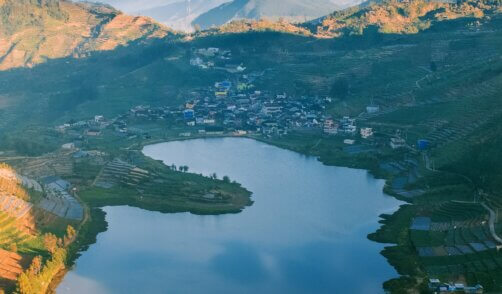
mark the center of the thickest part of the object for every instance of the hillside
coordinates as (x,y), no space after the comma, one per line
(176,15)
(400,17)
(433,69)
(291,10)
(35,31)
(387,17)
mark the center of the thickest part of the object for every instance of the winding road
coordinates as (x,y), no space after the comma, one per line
(493,217)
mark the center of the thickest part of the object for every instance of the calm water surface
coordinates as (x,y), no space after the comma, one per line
(305,233)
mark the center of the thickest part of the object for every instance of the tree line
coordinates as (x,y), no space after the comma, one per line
(36,279)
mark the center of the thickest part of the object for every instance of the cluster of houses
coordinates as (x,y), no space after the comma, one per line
(235,106)
(230,107)
(92,127)
(345,126)
(214,58)
(436,286)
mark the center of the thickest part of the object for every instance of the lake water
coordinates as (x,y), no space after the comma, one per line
(305,233)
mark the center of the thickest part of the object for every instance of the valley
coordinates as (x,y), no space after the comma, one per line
(419,108)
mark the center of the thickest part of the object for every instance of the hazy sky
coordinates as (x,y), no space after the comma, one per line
(176,19)
(137,5)
(131,6)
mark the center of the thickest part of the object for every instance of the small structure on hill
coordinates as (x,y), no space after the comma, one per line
(397,143)
(366,133)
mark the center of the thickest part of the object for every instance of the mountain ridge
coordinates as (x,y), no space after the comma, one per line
(291,10)
(36,30)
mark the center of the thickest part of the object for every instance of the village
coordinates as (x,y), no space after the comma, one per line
(236,108)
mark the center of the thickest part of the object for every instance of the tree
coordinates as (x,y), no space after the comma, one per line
(226,179)
(434,66)
(70,235)
(340,88)
(36,266)
(24,284)
(50,242)
(13,247)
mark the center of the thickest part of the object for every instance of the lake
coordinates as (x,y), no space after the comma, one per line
(305,233)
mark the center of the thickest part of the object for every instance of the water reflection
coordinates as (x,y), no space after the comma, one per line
(306,232)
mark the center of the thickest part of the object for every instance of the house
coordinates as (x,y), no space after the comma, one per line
(68,146)
(271,109)
(226,85)
(209,121)
(208,52)
(330,127)
(349,141)
(423,144)
(478,289)
(372,109)
(434,283)
(93,132)
(99,118)
(221,94)
(397,143)
(348,125)
(196,61)
(188,114)
(366,133)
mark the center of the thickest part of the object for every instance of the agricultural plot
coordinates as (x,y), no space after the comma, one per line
(454,242)
(10,267)
(10,232)
(14,206)
(120,172)
(62,205)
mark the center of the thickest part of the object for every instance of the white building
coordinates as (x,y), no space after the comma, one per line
(68,146)
(396,143)
(99,118)
(372,109)
(366,133)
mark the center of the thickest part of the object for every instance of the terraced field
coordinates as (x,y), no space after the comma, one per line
(120,172)
(10,267)
(10,232)
(454,243)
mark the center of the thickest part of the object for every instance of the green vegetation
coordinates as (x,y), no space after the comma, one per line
(436,74)
(37,278)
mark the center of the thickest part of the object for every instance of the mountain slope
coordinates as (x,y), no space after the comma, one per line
(386,17)
(176,16)
(393,16)
(293,10)
(33,31)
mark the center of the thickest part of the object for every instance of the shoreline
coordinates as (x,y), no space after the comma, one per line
(94,226)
